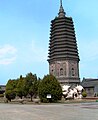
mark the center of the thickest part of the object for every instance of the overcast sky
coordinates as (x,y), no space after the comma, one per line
(24,36)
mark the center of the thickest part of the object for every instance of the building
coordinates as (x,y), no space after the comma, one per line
(90,86)
(63,53)
(2,89)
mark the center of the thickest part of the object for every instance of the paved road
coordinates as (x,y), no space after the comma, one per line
(80,111)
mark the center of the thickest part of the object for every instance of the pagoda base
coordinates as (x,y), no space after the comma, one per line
(69,81)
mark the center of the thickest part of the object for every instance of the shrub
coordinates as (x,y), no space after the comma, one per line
(84,94)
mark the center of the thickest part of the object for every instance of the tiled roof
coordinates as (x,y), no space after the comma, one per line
(89,82)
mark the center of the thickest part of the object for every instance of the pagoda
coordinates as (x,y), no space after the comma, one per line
(63,52)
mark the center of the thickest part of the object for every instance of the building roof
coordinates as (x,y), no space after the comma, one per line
(89,82)
(2,87)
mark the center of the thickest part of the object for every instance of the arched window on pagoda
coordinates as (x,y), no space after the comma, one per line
(61,72)
(52,71)
(73,72)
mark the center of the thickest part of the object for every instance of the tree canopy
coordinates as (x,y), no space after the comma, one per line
(22,86)
(31,86)
(11,89)
(50,86)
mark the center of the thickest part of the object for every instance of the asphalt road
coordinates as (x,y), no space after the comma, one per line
(79,111)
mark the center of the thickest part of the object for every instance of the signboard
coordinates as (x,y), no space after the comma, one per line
(49,96)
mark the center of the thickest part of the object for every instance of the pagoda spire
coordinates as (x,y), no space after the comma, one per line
(60,2)
(61,10)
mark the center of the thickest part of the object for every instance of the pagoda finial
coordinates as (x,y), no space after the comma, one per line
(60,2)
(61,10)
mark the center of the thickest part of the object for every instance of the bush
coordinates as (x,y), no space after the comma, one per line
(84,94)
(50,85)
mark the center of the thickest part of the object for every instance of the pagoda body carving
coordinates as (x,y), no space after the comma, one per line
(63,52)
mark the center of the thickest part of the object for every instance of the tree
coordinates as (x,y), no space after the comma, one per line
(31,84)
(11,89)
(50,86)
(10,95)
(21,87)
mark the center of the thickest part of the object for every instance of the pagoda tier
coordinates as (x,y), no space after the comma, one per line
(63,43)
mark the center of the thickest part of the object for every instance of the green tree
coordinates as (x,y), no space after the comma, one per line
(50,85)
(11,89)
(10,95)
(31,84)
(21,87)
